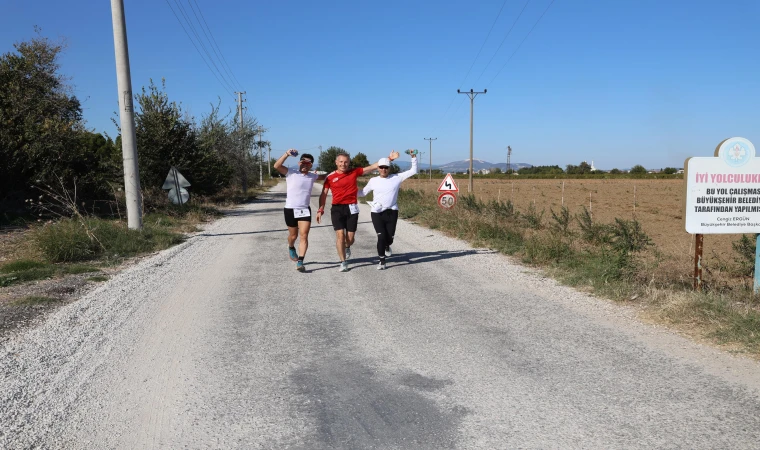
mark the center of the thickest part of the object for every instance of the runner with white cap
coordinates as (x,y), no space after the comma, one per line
(345,208)
(384,205)
(297,209)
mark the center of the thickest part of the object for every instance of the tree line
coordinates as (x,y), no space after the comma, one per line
(584,168)
(44,139)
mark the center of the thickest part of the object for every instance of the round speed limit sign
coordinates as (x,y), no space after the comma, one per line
(447,200)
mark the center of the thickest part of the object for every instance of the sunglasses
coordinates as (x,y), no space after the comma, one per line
(384,167)
(306,161)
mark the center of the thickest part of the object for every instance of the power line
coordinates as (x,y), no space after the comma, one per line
(200,41)
(521,43)
(503,40)
(199,52)
(223,59)
(473,63)
(453,118)
(484,44)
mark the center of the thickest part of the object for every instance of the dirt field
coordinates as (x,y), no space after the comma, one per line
(657,204)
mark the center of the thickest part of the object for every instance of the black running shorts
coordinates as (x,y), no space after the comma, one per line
(342,219)
(292,221)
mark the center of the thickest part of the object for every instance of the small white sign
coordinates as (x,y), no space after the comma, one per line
(448,184)
(723,192)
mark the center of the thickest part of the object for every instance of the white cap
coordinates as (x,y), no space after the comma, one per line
(384,162)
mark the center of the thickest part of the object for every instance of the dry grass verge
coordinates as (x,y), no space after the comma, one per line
(614,259)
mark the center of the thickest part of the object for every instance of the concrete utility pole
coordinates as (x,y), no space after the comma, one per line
(240,108)
(127,117)
(244,174)
(430,167)
(472,94)
(509,160)
(269,160)
(261,158)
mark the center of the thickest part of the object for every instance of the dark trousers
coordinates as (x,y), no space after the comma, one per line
(385,226)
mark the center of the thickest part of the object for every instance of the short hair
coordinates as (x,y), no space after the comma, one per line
(307,156)
(343,154)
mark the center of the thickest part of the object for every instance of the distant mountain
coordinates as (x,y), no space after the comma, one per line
(461,166)
(477,164)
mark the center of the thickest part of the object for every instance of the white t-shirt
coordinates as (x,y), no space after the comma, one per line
(386,189)
(299,188)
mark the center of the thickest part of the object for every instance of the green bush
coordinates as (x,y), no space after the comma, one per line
(501,210)
(562,220)
(541,249)
(65,241)
(594,233)
(72,240)
(470,203)
(628,237)
(532,218)
(745,259)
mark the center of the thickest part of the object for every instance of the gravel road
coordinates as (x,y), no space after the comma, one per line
(220,343)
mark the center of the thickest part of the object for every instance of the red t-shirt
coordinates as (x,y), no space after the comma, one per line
(343,186)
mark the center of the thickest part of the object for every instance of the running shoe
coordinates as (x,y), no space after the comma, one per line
(381,266)
(300,267)
(293,254)
(388,252)
(344,266)
(348,252)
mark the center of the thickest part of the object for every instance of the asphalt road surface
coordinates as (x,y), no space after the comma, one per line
(221,343)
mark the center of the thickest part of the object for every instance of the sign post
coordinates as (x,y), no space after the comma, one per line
(723,197)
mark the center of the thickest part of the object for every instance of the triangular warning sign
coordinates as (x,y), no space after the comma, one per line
(448,184)
(173,178)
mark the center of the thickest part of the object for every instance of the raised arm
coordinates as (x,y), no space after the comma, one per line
(394,155)
(278,166)
(411,172)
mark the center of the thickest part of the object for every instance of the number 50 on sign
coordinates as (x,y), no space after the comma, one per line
(447,200)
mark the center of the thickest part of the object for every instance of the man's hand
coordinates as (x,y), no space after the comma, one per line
(319,217)
(292,152)
(394,155)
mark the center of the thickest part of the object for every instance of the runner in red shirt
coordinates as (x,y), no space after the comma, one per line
(345,209)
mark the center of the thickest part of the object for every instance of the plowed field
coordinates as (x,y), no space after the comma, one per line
(657,204)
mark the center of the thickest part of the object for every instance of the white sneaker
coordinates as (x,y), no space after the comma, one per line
(344,266)
(388,252)
(348,252)
(381,266)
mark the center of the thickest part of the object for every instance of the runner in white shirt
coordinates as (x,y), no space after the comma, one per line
(297,209)
(383,206)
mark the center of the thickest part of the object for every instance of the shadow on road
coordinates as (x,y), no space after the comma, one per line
(401,259)
(284,230)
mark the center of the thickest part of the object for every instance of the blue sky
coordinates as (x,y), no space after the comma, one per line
(619,82)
